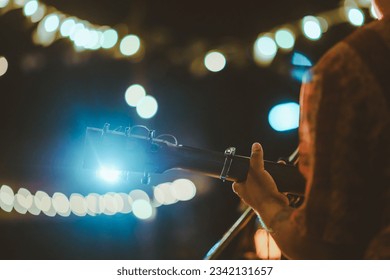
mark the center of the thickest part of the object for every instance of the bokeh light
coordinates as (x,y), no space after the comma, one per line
(110,204)
(299,59)
(311,28)
(23,201)
(355,16)
(110,175)
(373,12)
(92,200)
(109,38)
(44,202)
(7,198)
(284,117)
(183,189)
(214,61)
(130,45)
(3,65)
(78,204)
(61,204)
(142,209)
(67,26)
(51,22)
(39,14)
(4,3)
(147,107)
(134,94)
(285,38)
(30,8)
(264,49)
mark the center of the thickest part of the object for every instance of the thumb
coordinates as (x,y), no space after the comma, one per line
(257,161)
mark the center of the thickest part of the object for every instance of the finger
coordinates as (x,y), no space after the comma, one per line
(257,162)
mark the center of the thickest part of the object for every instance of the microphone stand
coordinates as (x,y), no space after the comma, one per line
(240,224)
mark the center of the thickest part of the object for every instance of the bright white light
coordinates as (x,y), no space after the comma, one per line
(67,26)
(110,175)
(134,94)
(3,65)
(285,38)
(93,41)
(163,194)
(7,198)
(312,28)
(356,17)
(142,209)
(264,50)
(138,194)
(23,201)
(78,204)
(44,202)
(109,39)
(30,8)
(51,22)
(127,202)
(39,14)
(110,204)
(130,45)
(93,204)
(147,107)
(183,189)
(75,29)
(61,204)
(4,3)
(214,61)
(284,117)
(82,37)
(266,46)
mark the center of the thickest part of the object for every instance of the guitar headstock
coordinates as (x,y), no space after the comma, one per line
(124,150)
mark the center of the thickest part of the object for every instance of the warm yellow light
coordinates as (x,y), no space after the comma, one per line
(130,45)
(3,65)
(373,12)
(214,61)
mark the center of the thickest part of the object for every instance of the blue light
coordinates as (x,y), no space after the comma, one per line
(299,59)
(284,117)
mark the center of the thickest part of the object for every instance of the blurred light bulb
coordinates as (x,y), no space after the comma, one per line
(214,61)
(61,204)
(130,45)
(134,94)
(51,23)
(30,8)
(78,204)
(264,50)
(109,38)
(147,107)
(142,209)
(39,14)
(3,65)
(312,28)
(183,189)
(7,198)
(373,12)
(355,17)
(67,26)
(285,38)
(4,3)
(284,117)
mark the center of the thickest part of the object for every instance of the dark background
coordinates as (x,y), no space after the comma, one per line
(45,110)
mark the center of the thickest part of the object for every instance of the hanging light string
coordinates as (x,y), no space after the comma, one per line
(137,201)
(52,25)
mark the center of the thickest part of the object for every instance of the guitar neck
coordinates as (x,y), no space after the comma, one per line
(210,163)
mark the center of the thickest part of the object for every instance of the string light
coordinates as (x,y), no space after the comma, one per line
(264,49)
(4,3)
(30,8)
(311,28)
(134,94)
(130,45)
(3,65)
(51,23)
(147,107)
(109,38)
(355,17)
(285,38)
(214,61)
